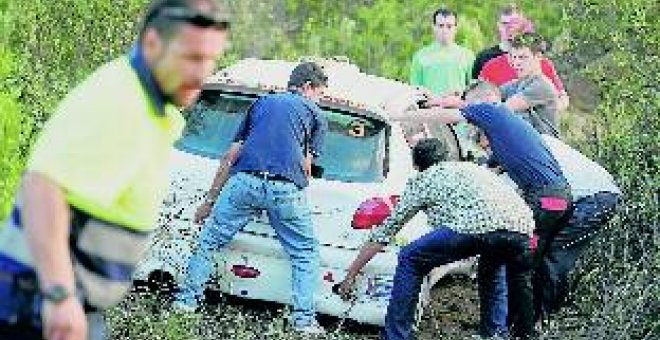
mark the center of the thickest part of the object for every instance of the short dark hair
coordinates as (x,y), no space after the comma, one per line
(167,16)
(445,12)
(428,152)
(533,41)
(307,72)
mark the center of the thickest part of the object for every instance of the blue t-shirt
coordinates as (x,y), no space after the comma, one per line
(516,145)
(277,132)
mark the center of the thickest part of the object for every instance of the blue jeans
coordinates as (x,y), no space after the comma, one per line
(244,197)
(416,260)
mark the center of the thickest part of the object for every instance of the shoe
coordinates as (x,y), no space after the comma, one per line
(312,329)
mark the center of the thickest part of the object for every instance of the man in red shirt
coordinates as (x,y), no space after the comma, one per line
(493,64)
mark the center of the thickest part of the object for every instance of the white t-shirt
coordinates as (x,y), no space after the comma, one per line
(585,176)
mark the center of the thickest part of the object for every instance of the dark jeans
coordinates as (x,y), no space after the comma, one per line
(96,329)
(22,332)
(416,260)
(588,216)
(505,252)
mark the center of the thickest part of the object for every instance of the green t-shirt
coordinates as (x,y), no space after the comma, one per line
(442,69)
(109,149)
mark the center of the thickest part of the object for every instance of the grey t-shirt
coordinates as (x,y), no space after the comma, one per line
(542,97)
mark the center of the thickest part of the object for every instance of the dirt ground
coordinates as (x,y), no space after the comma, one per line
(452,314)
(454,311)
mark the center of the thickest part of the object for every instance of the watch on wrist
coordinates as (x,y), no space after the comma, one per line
(56,293)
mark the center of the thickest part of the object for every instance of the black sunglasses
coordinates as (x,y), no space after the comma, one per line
(193,17)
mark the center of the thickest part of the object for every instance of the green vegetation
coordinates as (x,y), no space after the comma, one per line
(606,51)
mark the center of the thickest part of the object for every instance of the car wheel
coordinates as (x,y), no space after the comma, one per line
(213,295)
(447,134)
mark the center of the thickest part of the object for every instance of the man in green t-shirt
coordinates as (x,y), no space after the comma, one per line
(97,175)
(442,67)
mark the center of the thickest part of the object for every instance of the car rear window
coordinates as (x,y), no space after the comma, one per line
(355,147)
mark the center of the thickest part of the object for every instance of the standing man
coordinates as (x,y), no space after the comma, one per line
(596,197)
(472,212)
(272,159)
(511,23)
(97,175)
(532,95)
(443,67)
(494,64)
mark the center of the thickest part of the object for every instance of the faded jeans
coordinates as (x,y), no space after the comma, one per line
(244,197)
(416,260)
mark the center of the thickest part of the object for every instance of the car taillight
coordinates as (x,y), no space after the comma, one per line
(373,212)
(245,272)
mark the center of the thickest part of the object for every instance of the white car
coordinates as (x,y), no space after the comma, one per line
(366,156)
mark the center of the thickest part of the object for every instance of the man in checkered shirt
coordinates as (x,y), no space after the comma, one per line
(473,212)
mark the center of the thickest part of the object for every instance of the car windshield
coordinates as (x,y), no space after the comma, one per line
(355,147)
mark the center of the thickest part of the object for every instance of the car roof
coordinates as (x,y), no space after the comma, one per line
(348,87)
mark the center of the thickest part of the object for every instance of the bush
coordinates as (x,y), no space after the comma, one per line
(615,46)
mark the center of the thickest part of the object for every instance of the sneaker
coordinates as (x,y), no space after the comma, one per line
(312,329)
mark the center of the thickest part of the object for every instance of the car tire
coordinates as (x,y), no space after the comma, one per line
(446,133)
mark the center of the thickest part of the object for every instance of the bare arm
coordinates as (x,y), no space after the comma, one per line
(517,103)
(563,102)
(46,217)
(222,175)
(430,115)
(367,252)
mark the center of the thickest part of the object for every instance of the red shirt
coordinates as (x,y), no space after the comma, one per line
(499,72)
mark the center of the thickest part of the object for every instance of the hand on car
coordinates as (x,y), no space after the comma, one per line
(203,212)
(64,320)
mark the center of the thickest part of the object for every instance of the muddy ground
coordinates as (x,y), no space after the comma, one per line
(453,314)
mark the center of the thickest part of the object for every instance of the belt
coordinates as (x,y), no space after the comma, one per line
(265,175)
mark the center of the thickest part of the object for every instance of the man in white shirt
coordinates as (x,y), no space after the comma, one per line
(595,197)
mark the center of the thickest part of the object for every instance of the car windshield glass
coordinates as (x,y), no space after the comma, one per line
(355,147)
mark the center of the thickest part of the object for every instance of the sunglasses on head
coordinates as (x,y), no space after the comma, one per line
(193,17)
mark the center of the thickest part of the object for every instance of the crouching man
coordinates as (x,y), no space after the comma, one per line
(473,213)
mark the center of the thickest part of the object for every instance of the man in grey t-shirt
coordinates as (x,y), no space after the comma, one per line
(532,95)
(539,94)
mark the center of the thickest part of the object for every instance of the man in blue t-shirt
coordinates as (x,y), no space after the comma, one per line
(519,149)
(270,160)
